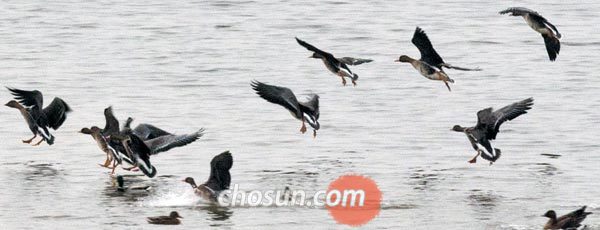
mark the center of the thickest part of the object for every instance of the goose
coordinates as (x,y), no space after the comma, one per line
(332,63)
(488,126)
(304,111)
(569,221)
(538,23)
(39,120)
(218,180)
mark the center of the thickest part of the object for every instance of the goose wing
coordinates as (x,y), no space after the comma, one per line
(148,131)
(278,95)
(166,142)
(519,11)
(353,61)
(329,57)
(573,219)
(490,120)
(112,124)
(316,50)
(428,53)
(220,178)
(55,113)
(28,98)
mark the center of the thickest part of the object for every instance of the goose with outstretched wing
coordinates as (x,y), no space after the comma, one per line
(218,180)
(29,104)
(307,111)
(430,64)
(488,126)
(332,63)
(538,23)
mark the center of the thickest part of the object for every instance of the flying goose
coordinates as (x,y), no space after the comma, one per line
(488,126)
(305,111)
(38,119)
(333,64)
(541,25)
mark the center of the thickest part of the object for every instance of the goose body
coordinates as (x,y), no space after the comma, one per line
(38,119)
(541,25)
(333,64)
(307,111)
(488,126)
(218,180)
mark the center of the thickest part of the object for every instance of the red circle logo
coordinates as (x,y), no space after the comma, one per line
(353,200)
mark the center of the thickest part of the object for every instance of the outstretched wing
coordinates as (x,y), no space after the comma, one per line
(55,114)
(112,124)
(493,120)
(353,61)
(167,142)
(519,11)
(428,53)
(278,95)
(219,178)
(147,131)
(314,49)
(28,98)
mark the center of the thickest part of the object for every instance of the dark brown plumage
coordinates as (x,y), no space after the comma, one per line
(39,120)
(569,221)
(171,219)
(488,126)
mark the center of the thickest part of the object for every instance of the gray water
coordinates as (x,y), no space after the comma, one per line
(188,64)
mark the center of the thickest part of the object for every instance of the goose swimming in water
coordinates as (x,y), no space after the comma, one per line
(171,219)
(541,25)
(333,64)
(305,111)
(569,221)
(488,126)
(430,64)
(39,120)
(218,180)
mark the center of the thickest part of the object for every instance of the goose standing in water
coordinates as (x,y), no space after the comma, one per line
(218,180)
(569,221)
(488,126)
(333,64)
(305,111)
(430,65)
(541,25)
(38,119)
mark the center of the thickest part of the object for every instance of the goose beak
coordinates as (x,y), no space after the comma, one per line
(397,60)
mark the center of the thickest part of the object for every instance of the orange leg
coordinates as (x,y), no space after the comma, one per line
(474,160)
(39,142)
(29,141)
(303,128)
(114,167)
